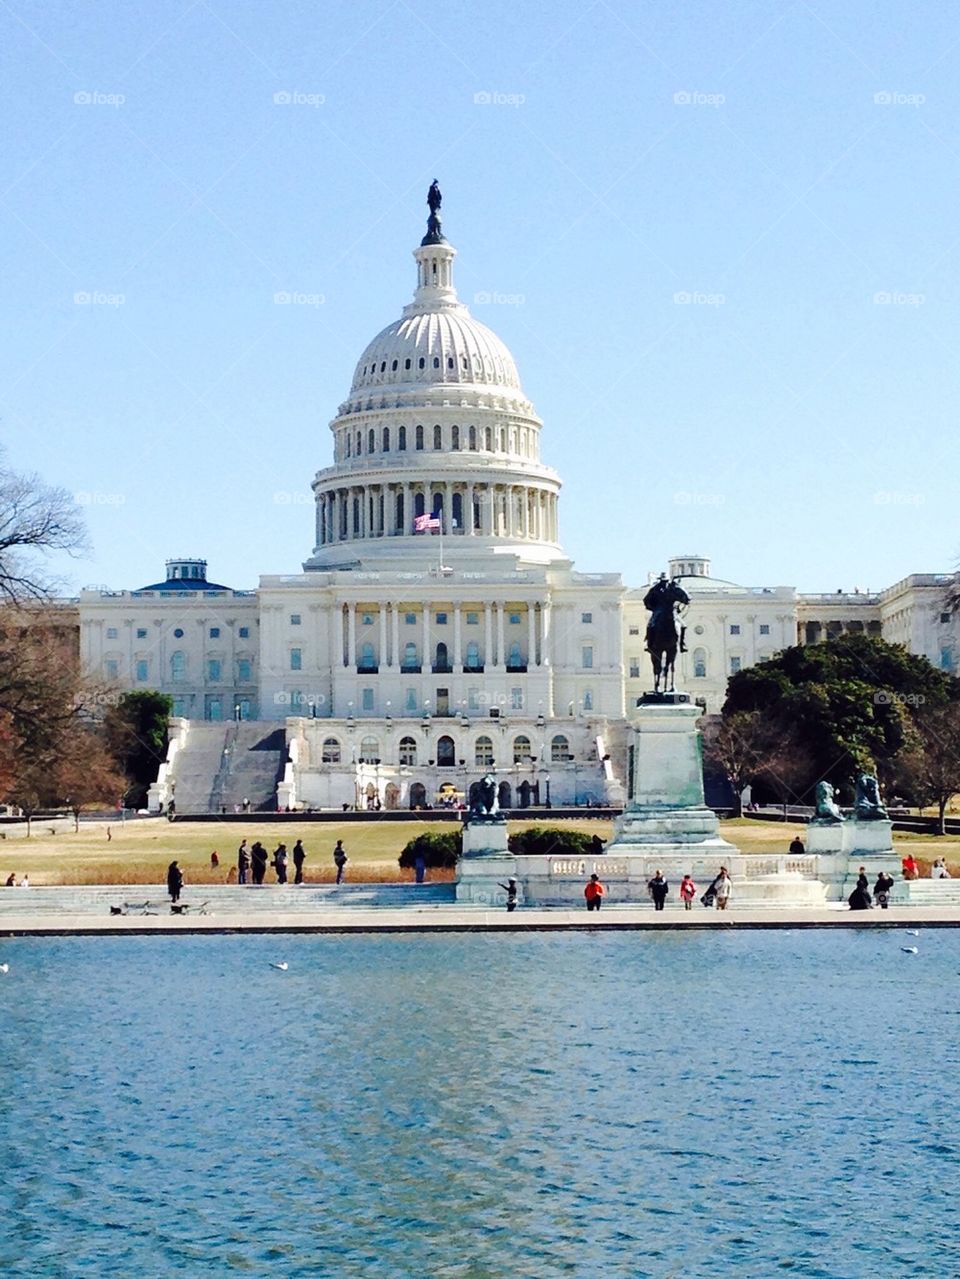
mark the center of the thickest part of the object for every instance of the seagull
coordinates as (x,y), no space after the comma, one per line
(282,967)
(909,950)
(4,968)
(912,932)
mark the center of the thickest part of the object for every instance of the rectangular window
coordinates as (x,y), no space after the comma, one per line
(473,699)
(634,630)
(410,619)
(441,619)
(111,632)
(244,632)
(514,619)
(411,700)
(294,619)
(111,668)
(213,669)
(586,618)
(734,665)
(141,632)
(243,671)
(588,700)
(296,659)
(516,699)
(734,630)
(366,699)
(473,619)
(764,630)
(368,619)
(179,706)
(946,659)
(587,656)
(944,618)
(214,632)
(634,667)
(143,669)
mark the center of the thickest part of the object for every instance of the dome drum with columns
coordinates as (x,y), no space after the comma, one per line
(436,424)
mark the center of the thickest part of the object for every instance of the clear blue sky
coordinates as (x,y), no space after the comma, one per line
(783,421)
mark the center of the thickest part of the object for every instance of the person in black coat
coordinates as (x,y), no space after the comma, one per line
(881,889)
(860,899)
(174,881)
(258,862)
(658,888)
(299,856)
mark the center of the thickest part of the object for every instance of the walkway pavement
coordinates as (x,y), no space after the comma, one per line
(21,921)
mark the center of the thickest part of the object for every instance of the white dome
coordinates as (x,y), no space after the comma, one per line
(442,346)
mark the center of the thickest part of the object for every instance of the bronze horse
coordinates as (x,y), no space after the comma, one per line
(664,632)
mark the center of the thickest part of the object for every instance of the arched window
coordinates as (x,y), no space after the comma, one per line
(436,358)
(369,750)
(349,447)
(700,663)
(409,657)
(408,750)
(437,437)
(359,444)
(472,662)
(521,750)
(371,440)
(421,362)
(446,752)
(488,439)
(515,659)
(418,504)
(356,517)
(483,752)
(402,440)
(398,512)
(419,437)
(559,750)
(331,751)
(368,661)
(178,666)
(454,437)
(442,663)
(457,511)
(386,440)
(393,367)
(472,437)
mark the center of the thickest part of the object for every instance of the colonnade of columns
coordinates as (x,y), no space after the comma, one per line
(361,511)
(491,654)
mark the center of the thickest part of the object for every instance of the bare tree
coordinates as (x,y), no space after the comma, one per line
(35,519)
(930,765)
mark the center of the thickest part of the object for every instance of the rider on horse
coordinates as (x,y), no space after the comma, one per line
(662,597)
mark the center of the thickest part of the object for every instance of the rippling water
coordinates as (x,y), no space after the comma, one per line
(481,1105)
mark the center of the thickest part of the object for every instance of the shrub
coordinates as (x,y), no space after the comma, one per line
(439,851)
(541,840)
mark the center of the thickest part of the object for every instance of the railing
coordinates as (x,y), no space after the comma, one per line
(442,669)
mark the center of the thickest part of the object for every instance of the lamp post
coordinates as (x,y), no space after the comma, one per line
(547,781)
(236,712)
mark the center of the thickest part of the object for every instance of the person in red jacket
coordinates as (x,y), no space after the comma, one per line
(688,890)
(594,893)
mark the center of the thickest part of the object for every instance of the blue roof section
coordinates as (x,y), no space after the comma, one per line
(186,584)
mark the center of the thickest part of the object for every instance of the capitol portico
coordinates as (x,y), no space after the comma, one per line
(437,630)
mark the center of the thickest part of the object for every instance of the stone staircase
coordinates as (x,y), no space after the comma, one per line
(221,765)
(221,899)
(925,892)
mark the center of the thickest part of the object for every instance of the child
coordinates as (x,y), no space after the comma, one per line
(688,890)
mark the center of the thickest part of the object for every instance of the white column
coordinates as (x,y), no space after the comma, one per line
(487,637)
(531,635)
(545,633)
(382,657)
(457,654)
(468,513)
(352,636)
(501,657)
(448,508)
(395,654)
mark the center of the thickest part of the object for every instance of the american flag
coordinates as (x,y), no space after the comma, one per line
(423,523)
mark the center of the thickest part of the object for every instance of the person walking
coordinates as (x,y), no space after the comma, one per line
(339,860)
(688,890)
(299,857)
(881,889)
(280,863)
(258,862)
(243,862)
(658,889)
(594,893)
(174,881)
(510,888)
(722,888)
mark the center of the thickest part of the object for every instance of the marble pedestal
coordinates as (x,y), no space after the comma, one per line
(486,864)
(843,847)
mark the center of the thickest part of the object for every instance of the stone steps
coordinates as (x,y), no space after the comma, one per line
(222,898)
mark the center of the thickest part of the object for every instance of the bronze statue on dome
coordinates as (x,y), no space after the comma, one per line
(434,198)
(434,230)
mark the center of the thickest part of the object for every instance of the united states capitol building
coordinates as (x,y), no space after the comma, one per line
(437,630)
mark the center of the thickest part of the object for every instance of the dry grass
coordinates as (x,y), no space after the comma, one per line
(139,852)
